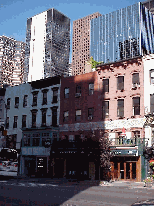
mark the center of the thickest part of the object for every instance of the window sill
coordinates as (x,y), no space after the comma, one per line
(34,105)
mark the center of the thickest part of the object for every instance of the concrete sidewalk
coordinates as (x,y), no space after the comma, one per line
(65,182)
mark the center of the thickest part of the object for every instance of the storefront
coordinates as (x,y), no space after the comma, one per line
(126,168)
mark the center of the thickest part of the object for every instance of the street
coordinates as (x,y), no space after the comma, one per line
(28,193)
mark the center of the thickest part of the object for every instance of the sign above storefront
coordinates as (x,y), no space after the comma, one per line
(36,151)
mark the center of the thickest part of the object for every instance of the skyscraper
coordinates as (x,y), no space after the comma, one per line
(47,45)
(12,54)
(123,34)
(81,43)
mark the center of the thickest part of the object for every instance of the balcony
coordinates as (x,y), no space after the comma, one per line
(126,142)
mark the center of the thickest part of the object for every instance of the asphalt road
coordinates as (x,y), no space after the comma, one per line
(47,194)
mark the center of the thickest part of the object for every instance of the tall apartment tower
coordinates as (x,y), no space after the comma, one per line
(81,43)
(122,34)
(12,54)
(47,45)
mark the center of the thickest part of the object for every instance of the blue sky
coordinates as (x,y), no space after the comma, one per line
(14,14)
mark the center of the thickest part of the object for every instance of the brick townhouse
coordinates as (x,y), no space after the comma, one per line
(109,100)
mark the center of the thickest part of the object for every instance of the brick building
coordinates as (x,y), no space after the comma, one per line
(109,100)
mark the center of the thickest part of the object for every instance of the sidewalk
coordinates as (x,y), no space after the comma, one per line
(65,182)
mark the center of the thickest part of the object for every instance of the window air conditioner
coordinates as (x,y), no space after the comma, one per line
(90,118)
(77,94)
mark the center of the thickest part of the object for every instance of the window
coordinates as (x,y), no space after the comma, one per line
(8,103)
(105,106)
(55,95)
(35,141)
(120,83)
(26,141)
(152,76)
(136,106)
(105,85)
(15,122)
(34,115)
(16,102)
(7,123)
(120,107)
(44,98)
(35,99)
(151,103)
(91,89)
(78,115)
(135,79)
(90,113)
(71,138)
(66,93)
(136,135)
(54,116)
(46,142)
(66,116)
(44,117)
(25,101)
(23,121)
(78,89)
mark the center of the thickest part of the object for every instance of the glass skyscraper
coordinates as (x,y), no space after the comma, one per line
(122,34)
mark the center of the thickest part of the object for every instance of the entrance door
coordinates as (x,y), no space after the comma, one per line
(134,170)
(128,170)
(41,166)
(122,170)
(59,168)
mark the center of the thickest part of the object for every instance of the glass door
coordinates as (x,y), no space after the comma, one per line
(122,170)
(128,170)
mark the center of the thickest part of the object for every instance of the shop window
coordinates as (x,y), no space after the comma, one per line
(120,108)
(136,105)
(120,83)
(16,102)
(105,85)
(90,113)
(151,103)
(91,88)
(66,93)
(105,106)
(78,115)
(23,121)
(66,116)
(15,121)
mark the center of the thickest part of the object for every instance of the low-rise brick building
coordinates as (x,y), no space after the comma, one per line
(110,100)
